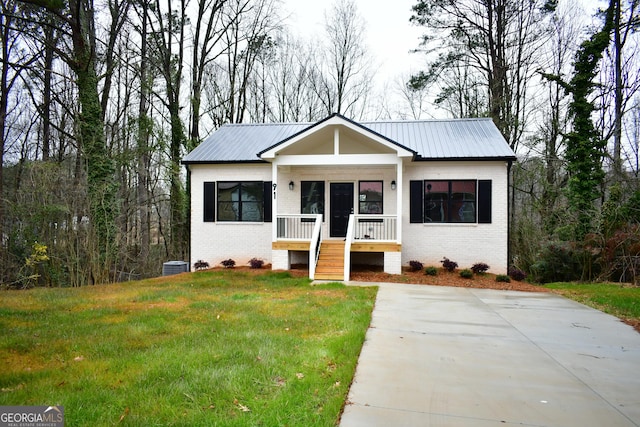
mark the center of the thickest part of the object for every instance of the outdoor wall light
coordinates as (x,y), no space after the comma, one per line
(393,184)
(291,185)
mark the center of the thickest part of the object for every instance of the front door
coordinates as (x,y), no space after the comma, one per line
(341,196)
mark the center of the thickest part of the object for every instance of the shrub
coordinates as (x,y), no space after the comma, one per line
(431,271)
(559,262)
(517,274)
(256,263)
(480,268)
(415,266)
(201,265)
(466,273)
(503,278)
(617,255)
(449,265)
(228,263)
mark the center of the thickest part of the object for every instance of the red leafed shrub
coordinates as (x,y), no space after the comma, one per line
(256,263)
(480,267)
(415,265)
(228,263)
(449,265)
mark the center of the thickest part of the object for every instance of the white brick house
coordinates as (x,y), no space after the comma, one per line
(336,193)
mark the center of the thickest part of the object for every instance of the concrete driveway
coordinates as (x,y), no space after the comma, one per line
(440,356)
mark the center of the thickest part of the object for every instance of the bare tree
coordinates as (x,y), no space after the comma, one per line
(633,134)
(8,78)
(496,42)
(168,43)
(118,12)
(621,80)
(207,36)
(346,78)
(143,134)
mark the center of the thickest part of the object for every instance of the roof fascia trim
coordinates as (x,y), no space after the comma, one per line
(222,162)
(465,159)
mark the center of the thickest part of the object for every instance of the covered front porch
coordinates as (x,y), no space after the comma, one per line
(337,190)
(330,258)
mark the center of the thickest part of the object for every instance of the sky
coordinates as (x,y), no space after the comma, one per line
(390,36)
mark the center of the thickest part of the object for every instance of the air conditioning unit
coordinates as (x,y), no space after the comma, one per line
(174,267)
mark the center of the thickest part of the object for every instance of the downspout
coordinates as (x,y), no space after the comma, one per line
(509,189)
(188,191)
(399,201)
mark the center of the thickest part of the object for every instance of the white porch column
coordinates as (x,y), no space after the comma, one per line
(399,198)
(274,201)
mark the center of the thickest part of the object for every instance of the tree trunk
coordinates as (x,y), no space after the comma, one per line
(179,226)
(5,28)
(118,11)
(144,127)
(4,94)
(617,124)
(49,46)
(101,183)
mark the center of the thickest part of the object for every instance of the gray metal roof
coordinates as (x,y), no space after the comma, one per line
(449,139)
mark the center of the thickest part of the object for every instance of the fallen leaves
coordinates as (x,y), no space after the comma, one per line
(124,415)
(10,389)
(240,406)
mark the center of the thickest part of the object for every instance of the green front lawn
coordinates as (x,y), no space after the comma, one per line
(209,348)
(622,301)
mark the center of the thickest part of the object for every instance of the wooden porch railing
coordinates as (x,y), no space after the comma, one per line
(296,227)
(314,248)
(302,227)
(374,228)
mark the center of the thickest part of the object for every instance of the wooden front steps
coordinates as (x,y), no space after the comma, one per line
(330,261)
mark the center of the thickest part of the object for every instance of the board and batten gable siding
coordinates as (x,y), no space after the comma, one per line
(465,244)
(213,241)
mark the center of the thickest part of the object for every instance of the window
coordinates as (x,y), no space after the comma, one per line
(242,201)
(450,201)
(454,201)
(370,197)
(312,197)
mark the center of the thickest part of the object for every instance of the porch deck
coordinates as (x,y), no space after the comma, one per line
(330,259)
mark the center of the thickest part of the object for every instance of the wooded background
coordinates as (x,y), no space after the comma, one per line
(99,101)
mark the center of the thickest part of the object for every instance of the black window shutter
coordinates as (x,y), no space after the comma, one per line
(209,202)
(416,191)
(267,198)
(484,202)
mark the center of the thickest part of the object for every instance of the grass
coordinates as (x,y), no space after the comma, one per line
(622,301)
(223,348)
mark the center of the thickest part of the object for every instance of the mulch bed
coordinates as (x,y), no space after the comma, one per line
(443,278)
